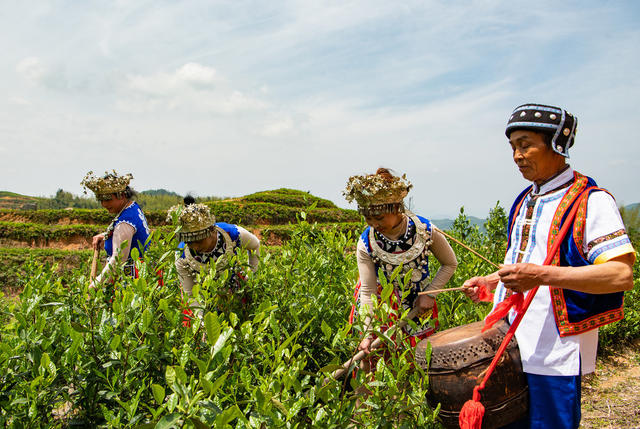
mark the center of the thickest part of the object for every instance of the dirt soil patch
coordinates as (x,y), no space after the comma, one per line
(74,242)
(610,396)
(13,218)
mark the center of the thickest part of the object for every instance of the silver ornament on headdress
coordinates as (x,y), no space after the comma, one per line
(377,194)
(106,186)
(195,220)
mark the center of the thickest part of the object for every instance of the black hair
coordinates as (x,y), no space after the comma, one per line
(129,193)
(188,200)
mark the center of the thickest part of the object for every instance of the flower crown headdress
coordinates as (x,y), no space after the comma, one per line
(377,193)
(104,187)
(195,220)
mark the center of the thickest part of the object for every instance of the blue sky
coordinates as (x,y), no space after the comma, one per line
(232,97)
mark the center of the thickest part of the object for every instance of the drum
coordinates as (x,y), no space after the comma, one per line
(459,358)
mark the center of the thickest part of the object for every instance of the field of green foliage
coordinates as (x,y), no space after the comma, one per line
(70,356)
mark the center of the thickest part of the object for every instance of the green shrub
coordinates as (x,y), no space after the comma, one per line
(280,233)
(628,329)
(237,212)
(13,263)
(275,214)
(288,197)
(42,233)
(120,356)
(126,360)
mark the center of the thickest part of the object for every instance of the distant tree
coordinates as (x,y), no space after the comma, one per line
(63,199)
(631,218)
(156,192)
(496,233)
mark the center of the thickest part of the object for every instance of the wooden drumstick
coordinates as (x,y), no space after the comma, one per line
(435,291)
(493,264)
(374,345)
(94,264)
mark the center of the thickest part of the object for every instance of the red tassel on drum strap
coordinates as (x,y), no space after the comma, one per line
(472,412)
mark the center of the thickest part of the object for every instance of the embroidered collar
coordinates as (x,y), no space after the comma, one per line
(112,226)
(422,240)
(402,238)
(558,181)
(221,263)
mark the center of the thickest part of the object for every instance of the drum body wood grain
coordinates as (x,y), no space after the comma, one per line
(459,358)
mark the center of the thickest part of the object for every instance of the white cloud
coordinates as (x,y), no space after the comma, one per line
(278,126)
(191,88)
(196,74)
(20,101)
(290,90)
(32,69)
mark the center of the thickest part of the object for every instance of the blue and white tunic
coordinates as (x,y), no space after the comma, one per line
(133,216)
(411,250)
(542,349)
(127,231)
(231,238)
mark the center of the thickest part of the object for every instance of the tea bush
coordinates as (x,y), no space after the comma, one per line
(39,233)
(289,197)
(73,356)
(233,211)
(122,356)
(280,233)
(15,260)
(628,329)
(74,216)
(249,213)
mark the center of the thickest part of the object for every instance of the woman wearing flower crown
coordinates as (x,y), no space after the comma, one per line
(127,230)
(203,240)
(396,237)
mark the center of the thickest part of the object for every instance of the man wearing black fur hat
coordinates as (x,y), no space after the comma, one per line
(582,288)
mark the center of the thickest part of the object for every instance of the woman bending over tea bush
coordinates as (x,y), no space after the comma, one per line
(396,237)
(128,229)
(203,241)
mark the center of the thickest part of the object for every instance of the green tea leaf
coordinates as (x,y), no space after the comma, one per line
(170,375)
(222,339)
(172,401)
(326,330)
(198,423)
(218,383)
(147,318)
(158,393)
(79,328)
(168,422)
(181,374)
(206,385)
(115,342)
(212,325)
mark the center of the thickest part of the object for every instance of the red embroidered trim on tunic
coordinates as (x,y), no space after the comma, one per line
(615,234)
(560,312)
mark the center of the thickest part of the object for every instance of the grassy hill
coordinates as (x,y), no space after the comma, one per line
(268,214)
(11,200)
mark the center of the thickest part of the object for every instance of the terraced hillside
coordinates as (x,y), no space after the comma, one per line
(64,236)
(11,200)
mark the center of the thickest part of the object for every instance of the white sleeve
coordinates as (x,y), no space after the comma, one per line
(185,276)
(446,257)
(605,236)
(368,278)
(251,243)
(187,280)
(122,233)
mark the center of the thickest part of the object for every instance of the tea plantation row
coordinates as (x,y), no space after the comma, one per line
(70,356)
